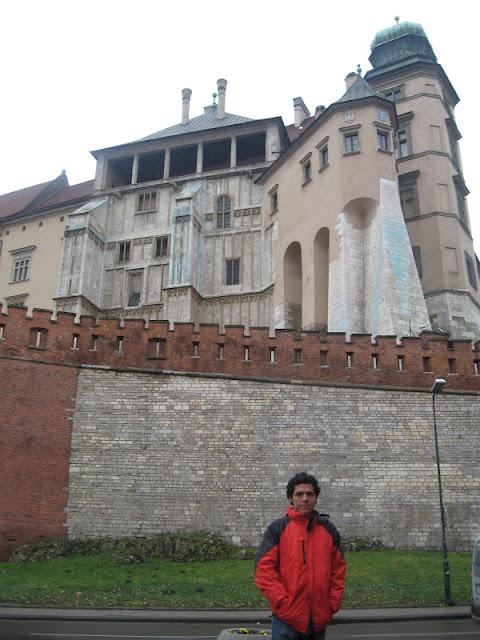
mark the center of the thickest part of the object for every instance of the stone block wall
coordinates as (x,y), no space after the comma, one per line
(155,452)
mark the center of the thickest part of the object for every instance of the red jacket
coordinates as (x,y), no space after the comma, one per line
(300,569)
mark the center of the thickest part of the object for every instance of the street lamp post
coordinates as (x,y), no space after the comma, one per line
(438,388)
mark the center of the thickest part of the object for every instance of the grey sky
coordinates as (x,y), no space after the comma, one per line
(82,75)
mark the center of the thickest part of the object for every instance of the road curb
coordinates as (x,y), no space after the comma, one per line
(228,617)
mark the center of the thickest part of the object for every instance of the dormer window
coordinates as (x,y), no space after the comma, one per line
(223,212)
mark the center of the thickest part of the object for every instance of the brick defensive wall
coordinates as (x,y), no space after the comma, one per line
(285,355)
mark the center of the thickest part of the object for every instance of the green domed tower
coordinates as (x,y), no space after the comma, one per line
(403,44)
(430,176)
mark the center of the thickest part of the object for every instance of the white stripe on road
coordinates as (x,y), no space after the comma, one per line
(116,635)
(437,634)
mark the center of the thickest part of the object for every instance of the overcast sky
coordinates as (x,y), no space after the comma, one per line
(83,75)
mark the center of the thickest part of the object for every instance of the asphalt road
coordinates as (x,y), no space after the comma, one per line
(91,630)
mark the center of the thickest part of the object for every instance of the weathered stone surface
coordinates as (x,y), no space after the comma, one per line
(156,453)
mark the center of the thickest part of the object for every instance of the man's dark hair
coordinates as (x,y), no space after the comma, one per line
(302,478)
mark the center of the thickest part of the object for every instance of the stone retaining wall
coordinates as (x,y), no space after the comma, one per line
(153,452)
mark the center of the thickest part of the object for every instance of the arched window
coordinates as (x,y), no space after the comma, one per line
(223,212)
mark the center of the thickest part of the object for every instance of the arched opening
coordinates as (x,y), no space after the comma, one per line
(321,247)
(292,278)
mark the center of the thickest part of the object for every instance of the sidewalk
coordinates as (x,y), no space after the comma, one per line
(228,616)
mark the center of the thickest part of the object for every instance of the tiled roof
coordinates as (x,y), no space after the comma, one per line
(206,121)
(294,132)
(72,193)
(15,201)
(29,200)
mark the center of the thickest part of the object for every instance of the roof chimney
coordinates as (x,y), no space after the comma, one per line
(222,88)
(300,111)
(350,79)
(186,93)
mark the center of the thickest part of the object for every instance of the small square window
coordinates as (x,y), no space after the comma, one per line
(351,142)
(232,271)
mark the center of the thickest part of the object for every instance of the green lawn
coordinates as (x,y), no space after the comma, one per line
(374,578)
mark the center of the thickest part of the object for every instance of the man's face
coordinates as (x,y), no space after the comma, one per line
(304,499)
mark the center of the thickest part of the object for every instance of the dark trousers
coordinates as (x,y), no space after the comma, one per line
(281,631)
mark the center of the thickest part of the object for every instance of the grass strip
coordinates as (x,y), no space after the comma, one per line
(375,578)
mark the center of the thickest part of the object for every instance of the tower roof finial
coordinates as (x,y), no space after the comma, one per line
(397,19)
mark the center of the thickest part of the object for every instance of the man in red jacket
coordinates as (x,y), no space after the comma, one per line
(300,567)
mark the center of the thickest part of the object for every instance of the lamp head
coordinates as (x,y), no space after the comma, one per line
(438,385)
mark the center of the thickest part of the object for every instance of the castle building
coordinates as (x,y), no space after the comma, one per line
(353,219)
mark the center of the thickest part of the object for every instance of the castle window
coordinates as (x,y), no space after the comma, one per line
(161,247)
(323,156)
(476,367)
(134,288)
(94,342)
(298,356)
(403,142)
(351,142)
(324,358)
(472,278)
(195,347)
(223,212)
(119,348)
(375,361)
(232,271)
(274,200)
(394,94)
(221,351)
(417,254)
(273,354)
(2,330)
(349,360)
(409,194)
(38,338)
(157,348)
(401,363)
(452,365)
(306,164)
(383,140)
(123,251)
(147,201)
(75,338)
(21,268)
(427,364)
(461,191)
